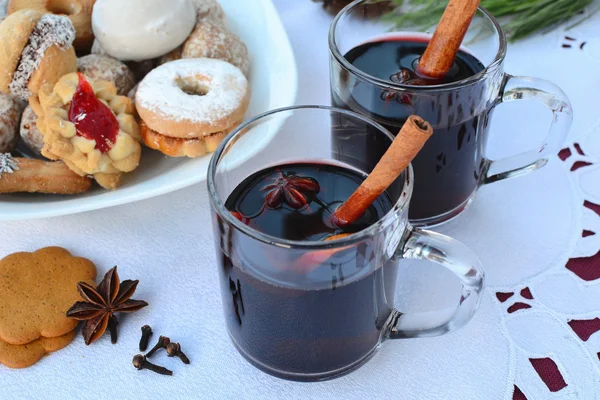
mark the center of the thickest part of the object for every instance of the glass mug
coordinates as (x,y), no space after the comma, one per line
(321,324)
(452,165)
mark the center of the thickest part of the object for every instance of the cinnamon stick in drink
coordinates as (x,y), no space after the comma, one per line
(403,150)
(447,38)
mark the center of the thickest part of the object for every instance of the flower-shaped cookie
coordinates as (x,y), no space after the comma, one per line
(36,290)
(88,126)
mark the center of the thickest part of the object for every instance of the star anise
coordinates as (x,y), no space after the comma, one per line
(293,189)
(101,303)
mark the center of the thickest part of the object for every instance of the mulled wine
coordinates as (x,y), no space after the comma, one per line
(304,312)
(449,168)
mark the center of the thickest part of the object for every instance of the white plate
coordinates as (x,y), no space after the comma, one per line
(274,84)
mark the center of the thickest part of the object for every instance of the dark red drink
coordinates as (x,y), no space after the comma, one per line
(279,324)
(449,167)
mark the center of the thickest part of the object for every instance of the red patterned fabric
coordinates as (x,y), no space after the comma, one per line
(517,307)
(502,297)
(587,268)
(549,373)
(526,293)
(579,164)
(585,328)
(518,395)
(564,154)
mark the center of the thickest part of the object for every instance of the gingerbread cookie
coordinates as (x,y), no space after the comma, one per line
(36,290)
(25,355)
(89,127)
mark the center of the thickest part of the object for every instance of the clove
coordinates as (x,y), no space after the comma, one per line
(174,350)
(162,343)
(146,333)
(140,362)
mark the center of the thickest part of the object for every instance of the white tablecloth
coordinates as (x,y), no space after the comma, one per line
(533,235)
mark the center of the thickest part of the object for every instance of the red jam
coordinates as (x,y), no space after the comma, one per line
(92,118)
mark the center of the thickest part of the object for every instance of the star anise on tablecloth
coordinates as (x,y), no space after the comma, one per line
(374,9)
(293,189)
(101,303)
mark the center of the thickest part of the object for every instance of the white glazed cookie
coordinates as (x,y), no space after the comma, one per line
(136,30)
(9,123)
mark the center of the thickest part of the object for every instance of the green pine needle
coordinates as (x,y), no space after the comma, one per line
(520,18)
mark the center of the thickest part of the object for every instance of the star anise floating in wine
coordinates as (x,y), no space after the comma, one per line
(101,303)
(292,189)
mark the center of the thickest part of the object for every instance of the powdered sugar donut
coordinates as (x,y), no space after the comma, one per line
(9,122)
(210,10)
(211,40)
(107,69)
(30,134)
(193,98)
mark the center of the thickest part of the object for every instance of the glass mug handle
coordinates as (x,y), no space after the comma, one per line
(547,93)
(456,257)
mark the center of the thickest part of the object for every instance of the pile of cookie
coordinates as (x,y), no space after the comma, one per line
(36,290)
(84,83)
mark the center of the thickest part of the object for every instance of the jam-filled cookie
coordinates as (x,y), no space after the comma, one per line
(92,129)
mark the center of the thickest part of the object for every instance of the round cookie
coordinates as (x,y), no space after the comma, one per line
(210,40)
(107,69)
(36,290)
(135,30)
(30,134)
(78,11)
(23,356)
(193,98)
(9,121)
(210,10)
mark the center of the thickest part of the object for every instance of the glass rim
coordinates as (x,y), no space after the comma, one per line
(219,205)
(335,51)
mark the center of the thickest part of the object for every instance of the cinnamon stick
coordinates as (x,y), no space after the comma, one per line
(447,38)
(403,150)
